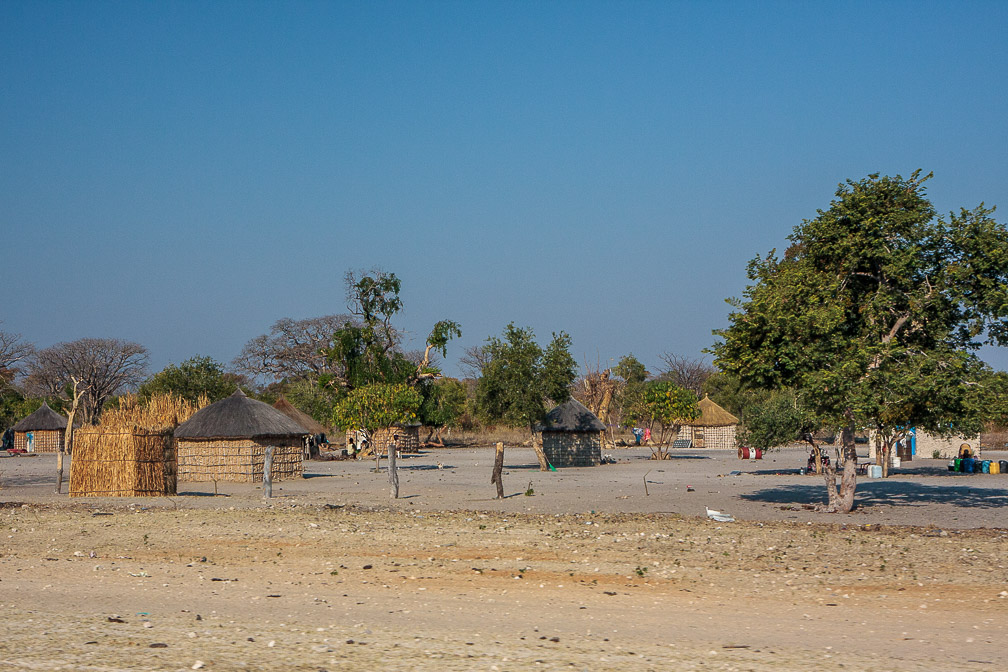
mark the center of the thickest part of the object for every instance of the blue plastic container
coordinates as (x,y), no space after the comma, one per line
(967,465)
(985,466)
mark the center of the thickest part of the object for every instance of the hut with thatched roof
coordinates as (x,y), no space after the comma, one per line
(714,429)
(41,432)
(310,424)
(227,441)
(316,430)
(572,436)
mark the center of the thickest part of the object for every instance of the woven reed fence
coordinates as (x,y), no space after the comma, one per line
(116,462)
(711,438)
(43,441)
(409,440)
(238,460)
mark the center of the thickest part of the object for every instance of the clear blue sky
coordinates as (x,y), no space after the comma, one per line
(183,174)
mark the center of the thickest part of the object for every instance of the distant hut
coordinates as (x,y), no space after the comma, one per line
(572,436)
(316,430)
(227,441)
(311,425)
(714,429)
(41,432)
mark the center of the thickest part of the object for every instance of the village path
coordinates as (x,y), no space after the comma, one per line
(290,585)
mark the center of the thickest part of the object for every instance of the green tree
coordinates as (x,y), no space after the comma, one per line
(632,375)
(377,406)
(367,350)
(873,314)
(520,378)
(778,417)
(663,408)
(444,402)
(194,377)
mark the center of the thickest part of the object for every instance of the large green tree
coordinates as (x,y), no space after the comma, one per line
(365,364)
(520,378)
(192,378)
(873,314)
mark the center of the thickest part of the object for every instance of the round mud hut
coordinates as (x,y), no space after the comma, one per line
(714,429)
(572,436)
(227,441)
(41,432)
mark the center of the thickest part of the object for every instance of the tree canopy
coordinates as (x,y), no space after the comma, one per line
(520,378)
(873,314)
(192,378)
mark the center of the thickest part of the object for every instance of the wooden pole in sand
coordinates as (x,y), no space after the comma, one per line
(393,473)
(268,473)
(498,466)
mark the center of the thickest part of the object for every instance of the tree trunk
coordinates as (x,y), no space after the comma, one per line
(848,483)
(829,473)
(885,455)
(393,472)
(537,446)
(68,435)
(498,467)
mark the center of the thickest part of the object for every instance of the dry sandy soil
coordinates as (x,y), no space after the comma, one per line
(586,572)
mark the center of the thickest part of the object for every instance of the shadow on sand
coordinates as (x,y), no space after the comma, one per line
(890,493)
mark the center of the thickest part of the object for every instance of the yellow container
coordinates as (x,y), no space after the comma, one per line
(995,468)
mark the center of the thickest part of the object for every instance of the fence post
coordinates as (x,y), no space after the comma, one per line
(268,473)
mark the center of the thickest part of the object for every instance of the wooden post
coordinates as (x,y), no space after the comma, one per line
(68,435)
(393,472)
(498,466)
(268,473)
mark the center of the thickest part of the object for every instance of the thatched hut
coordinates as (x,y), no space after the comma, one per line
(227,441)
(41,432)
(311,425)
(121,462)
(714,429)
(572,436)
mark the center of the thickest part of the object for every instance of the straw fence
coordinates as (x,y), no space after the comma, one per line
(379,439)
(132,452)
(43,440)
(711,438)
(160,411)
(239,460)
(116,462)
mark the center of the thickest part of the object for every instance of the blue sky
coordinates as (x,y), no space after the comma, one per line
(184,174)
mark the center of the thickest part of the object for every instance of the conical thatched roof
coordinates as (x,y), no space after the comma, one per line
(43,419)
(297,415)
(572,416)
(238,417)
(712,415)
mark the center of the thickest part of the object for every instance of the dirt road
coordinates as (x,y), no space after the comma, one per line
(307,586)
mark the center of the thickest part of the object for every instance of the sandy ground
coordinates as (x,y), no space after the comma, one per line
(587,572)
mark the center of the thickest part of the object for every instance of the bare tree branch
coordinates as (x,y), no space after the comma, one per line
(13,353)
(102,367)
(686,372)
(292,349)
(473,360)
